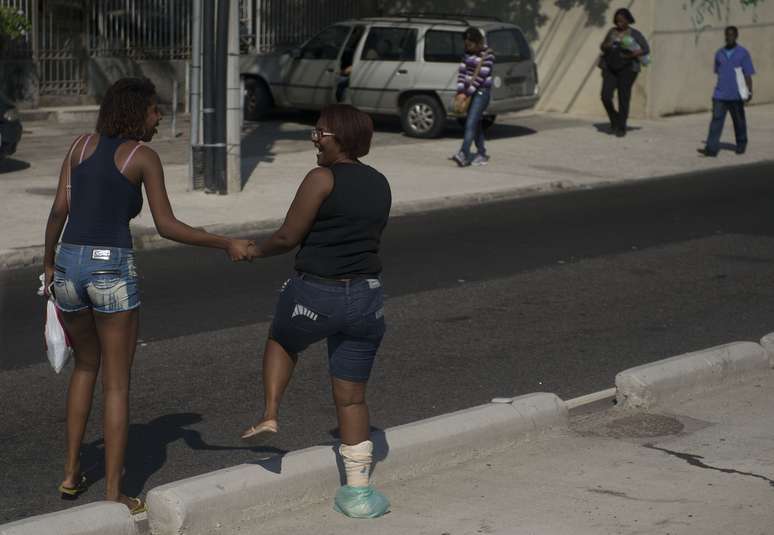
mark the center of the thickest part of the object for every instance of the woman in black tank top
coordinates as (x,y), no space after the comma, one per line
(93,274)
(337,219)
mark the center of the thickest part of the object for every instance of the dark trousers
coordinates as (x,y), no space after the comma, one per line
(622,82)
(719,109)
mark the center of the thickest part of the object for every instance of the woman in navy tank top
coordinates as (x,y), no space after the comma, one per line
(92,272)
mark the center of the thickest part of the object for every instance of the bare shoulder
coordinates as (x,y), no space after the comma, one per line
(319,179)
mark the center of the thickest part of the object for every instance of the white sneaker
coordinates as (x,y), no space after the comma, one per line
(480,159)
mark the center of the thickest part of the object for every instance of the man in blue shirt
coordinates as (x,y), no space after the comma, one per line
(727,96)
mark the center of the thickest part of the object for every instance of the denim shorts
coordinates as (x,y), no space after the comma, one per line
(100,278)
(350,314)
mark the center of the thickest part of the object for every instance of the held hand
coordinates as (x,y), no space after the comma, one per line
(47,280)
(252,251)
(239,250)
(460,97)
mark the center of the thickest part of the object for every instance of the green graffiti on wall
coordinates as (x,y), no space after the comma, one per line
(706,14)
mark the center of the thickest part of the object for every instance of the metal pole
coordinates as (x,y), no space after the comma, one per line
(221,62)
(196,169)
(174,109)
(208,94)
(234,101)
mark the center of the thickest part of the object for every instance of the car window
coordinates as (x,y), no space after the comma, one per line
(508,45)
(444,46)
(390,44)
(326,44)
(348,55)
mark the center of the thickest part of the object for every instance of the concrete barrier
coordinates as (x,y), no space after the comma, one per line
(767,342)
(234,499)
(647,385)
(101,518)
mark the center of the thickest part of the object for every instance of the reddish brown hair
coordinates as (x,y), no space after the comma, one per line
(125,107)
(353,128)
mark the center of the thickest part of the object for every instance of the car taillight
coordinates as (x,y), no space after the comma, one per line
(11,115)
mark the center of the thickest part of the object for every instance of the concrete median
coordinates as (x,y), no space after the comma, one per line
(234,499)
(101,518)
(651,384)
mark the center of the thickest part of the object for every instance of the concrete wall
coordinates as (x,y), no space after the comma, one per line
(684,35)
(104,71)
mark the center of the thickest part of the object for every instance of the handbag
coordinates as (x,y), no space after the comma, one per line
(460,107)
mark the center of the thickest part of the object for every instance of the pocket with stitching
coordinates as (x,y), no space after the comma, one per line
(105,279)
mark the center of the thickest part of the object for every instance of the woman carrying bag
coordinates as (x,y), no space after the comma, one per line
(624,50)
(474,88)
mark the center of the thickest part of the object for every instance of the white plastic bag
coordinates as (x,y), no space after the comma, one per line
(58,347)
(741,83)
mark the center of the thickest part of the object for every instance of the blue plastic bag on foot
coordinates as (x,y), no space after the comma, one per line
(360,502)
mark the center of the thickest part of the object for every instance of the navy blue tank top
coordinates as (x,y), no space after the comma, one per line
(102,200)
(345,237)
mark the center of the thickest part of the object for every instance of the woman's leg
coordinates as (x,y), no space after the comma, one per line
(278,367)
(83,334)
(351,410)
(118,340)
(609,83)
(625,83)
(479,139)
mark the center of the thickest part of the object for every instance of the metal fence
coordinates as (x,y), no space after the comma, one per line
(140,29)
(272,24)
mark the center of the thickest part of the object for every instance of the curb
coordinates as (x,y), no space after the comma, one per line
(648,385)
(767,342)
(235,498)
(101,518)
(146,238)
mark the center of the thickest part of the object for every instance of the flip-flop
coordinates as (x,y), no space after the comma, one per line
(140,506)
(70,493)
(268,426)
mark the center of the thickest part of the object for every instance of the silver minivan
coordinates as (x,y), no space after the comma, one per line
(404,66)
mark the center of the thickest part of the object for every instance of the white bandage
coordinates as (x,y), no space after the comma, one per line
(357,462)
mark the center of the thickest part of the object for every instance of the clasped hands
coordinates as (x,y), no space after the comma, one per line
(240,250)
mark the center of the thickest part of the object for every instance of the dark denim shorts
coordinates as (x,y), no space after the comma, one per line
(350,314)
(101,278)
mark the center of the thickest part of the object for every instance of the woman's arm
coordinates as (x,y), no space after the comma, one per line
(314,189)
(167,224)
(644,46)
(487,65)
(607,42)
(57,218)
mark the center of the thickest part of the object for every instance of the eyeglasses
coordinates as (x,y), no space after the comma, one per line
(318,133)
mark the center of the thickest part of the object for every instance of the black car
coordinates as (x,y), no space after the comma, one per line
(10,127)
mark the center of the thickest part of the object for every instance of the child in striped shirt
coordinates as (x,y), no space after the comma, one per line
(474,81)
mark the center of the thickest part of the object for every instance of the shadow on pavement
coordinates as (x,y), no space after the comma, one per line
(9,165)
(146,451)
(605,128)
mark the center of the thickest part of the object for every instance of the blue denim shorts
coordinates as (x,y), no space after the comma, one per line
(100,278)
(350,314)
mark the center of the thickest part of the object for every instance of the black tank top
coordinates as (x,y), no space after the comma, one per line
(345,237)
(102,200)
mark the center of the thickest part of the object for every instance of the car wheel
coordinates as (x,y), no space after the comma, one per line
(258,99)
(488,121)
(422,116)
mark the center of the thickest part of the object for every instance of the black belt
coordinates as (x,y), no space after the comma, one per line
(343,281)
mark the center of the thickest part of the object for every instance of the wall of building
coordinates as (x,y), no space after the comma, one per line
(684,34)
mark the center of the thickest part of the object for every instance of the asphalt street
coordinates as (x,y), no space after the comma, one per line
(547,293)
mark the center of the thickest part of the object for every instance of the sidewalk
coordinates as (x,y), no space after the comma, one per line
(420,173)
(703,466)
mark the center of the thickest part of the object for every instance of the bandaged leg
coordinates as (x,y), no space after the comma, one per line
(357,462)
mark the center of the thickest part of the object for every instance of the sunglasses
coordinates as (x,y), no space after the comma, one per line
(318,133)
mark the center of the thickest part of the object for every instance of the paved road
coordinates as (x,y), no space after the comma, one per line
(553,293)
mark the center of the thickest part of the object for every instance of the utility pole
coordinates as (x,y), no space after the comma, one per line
(221,62)
(234,98)
(196,164)
(208,94)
